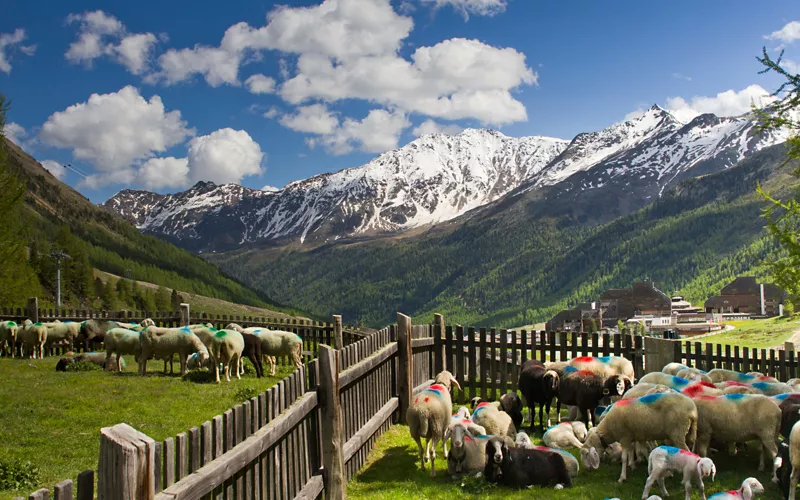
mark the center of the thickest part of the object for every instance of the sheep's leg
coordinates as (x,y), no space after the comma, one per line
(651,479)
(770,451)
(421,452)
(700,486)
(558,413)
(532,415)
(271,361)
(624,474)
(119,362)
(239,360)
(216,373)
(427,450)
(793,483)
(433,457)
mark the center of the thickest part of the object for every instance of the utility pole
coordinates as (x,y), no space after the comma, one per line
(58,254)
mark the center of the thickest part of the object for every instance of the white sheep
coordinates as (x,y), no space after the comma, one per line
(8,337)
(694,374)
(63,332)
(162,342)
(563,435)
(462,417)
(738,418)
(121,341)
(523,440)
(723,375)
(795,383)
(147,322)
(495,421)
(429,415)
(673,368)
(227,347)
(772,388)
(605,366)
(33,337)
(279,343)
(468,454)
(671,381)
(665,460)
(645,388)
(669,416)
(749,489)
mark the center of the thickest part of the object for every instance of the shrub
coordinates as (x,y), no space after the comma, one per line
(202,376)
(83,366)
(16,475)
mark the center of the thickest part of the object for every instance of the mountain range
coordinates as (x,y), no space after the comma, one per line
(437,178)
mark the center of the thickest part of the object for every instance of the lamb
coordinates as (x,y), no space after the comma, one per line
(787,463)
(694,374)
(569,459)
(495,421)
(519,467)
(722,375)
(509,403)
(673,368)
(585,389)
(8,337)
(428,416)
(665,460)
(468,453)
(63,332)
(33,337)
(121,341)
(538,385)
(643,389)
(653,417)
(737,418)
(161,342)
(562,436)
(523,440)
(749,489)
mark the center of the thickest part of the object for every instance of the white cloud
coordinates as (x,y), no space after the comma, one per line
(379,131)
(9,42)
(681,76)
(270,189)
(158,173)
(216,65)
(224,156)
(271,113)
(789,33)
(432,127)
(260,84)
(55,168)
(791,66)
(102,34)
(475,7)
(314,119)
(15,132)
(115,131)
(728,103)
(634,114)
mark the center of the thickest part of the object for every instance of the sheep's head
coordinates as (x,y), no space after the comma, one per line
(446,379)
(458,435)
(550,379)
(616,385)
(496,450)
(523,440)
(750,488)
(580,430)
(474,402)
(706,467)
(234,326)
(463,412)
(590,457)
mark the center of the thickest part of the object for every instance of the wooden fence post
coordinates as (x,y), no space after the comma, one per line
(439,357)
(331,420)
(338,343)
(405,365)
(185,314)
(658,353)
(126,469)
(33,309)
(788,346)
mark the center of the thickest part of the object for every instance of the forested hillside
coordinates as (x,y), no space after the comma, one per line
(498,266)
(56,216)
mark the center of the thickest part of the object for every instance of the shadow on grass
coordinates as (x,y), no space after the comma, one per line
(396,459)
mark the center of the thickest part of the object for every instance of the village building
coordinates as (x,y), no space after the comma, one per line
(745,297)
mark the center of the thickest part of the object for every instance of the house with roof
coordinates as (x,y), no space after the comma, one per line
(747,297)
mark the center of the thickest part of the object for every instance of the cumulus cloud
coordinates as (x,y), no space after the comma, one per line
(158,173)
(10,42)
(467,7)
(379,131)
(271,113)
(15,132)
(114,132)
(260,84)
(728,103)
(55,168)
(314,119)
(224,156)
(634,114)
(102,34)
(432,127)
(788,34)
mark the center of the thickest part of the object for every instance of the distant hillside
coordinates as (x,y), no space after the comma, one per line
(506,264)
(114,245)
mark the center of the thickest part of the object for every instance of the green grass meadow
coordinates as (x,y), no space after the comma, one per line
(757,333)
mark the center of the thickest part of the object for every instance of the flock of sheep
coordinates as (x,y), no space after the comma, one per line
(197,346)
(687,411)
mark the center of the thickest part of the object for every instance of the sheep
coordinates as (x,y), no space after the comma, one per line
(737,418)
(93,331)
(147,322)
(538,385)
(562,436)
(749,489)
(701,389)
(653,417)
(795,383)
(787,463)
(97,358)
(461,417)
(278,343)
(252,351)
(523,440)
(509,403)
(643,389)
(772,388)
(569,459)
(794,397)
(665,460)
(63,332)
(722,375)
(495,421)
(605,365)
(673,368)
(790,414)
(8,337)
(33,337)
(160,342)
(585,389)
(428,416)
(733,387)
(670,381)
(694,374)
(121,341)
(519,467)
(468,453)
(227,347)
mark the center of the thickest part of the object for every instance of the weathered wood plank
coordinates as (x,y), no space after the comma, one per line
(354,373)
(371,427)
(63,490)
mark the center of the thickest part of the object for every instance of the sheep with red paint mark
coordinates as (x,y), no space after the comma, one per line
(605,366)
(462,417)
(747,491)
(495,421)
(585,389)
(468,453)
(428,417)
(723,375)
(666,460)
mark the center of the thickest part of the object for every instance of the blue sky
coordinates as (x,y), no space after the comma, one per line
(313,87)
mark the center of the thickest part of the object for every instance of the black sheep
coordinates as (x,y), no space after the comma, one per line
(585,389)
(521,467)
(784,472)
(790,414)
(538,386)
(252,351)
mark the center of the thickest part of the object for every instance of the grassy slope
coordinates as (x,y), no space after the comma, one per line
(54,419)
(392,472)
(502,267)
(758,333)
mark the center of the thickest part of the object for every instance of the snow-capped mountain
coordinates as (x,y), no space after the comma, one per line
(439,177)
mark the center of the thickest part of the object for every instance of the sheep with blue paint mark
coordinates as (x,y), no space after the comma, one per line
(666,460)
(750,488)
(495,421)
(694,374)
(563,435)
(738,418)
(428,416)
(772,388)
(666,416)
(163,342)
(671,381)
(462,417)
(643,389)
(723,375)
(606,366)
(673,368)
(121,341)
(8,337)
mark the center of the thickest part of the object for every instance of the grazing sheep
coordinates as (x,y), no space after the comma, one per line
(93,331)
(121,341)
(738,418)
(495,421)
(538,385)
(694,374)
(643,389)
(666,460)
(63,332)
(252,351)
(562,436)
(8,337)
(653,417)
(521,468)
(722,375)
(161,342)
(278,343)
(670,381)
(673,368)
(467,454)
(227,347)
(585,389)
(787,463)
(428,417)
(749,489)
(33,336)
